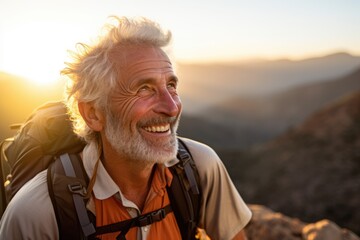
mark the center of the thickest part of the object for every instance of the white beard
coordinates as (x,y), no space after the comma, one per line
(135,147)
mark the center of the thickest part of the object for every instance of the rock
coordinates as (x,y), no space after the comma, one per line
(269,225)
(326,229)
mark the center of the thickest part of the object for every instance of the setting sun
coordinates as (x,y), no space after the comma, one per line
(29,53)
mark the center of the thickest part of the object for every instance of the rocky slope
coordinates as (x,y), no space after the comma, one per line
(310,172)
(269,225)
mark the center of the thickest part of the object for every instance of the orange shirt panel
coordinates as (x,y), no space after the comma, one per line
(111,210)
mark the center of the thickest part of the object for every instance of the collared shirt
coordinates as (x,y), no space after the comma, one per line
(223,213)
(111,206)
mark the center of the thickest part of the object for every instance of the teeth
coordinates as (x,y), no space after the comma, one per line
(158,128)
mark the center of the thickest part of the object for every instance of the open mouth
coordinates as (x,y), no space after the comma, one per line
(158,128)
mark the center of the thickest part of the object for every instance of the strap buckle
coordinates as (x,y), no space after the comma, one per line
(152,217)
(77,188)
(184,157)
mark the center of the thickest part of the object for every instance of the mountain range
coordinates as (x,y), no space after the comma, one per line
(309,172)
(205,85)
(241,122)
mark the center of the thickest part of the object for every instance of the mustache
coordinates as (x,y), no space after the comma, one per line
(158,121)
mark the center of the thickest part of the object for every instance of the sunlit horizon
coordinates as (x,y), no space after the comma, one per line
(36,36)
(52,75)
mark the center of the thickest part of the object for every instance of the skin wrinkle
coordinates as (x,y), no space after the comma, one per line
(135,108)
(120,57)
(123,99)
(125,95)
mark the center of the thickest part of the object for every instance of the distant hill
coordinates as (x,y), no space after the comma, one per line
(255,120)
(310,172)
(203,130)
(203,85)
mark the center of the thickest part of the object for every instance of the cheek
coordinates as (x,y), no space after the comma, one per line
(122,101)
(139,108)
(123,108)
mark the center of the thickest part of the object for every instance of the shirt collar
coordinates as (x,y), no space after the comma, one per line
(105,187)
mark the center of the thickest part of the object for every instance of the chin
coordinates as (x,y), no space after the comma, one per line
(158,152)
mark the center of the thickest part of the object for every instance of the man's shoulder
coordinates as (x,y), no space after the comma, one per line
(31,197)
(30,211)
(204,156)
(198,148)
(35,187)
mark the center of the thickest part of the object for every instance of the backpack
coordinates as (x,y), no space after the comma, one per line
(46,141)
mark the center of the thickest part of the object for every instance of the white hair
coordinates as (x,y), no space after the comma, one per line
(91,75)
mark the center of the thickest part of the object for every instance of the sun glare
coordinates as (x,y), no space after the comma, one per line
(36,51)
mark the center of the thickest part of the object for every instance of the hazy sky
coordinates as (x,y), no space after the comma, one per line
(34,35)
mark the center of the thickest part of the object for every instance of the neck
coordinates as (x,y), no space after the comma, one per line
(132,177)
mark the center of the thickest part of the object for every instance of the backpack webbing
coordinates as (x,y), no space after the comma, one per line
(67,188)
(185,203)
(61,193)
(140,221)
(78,192)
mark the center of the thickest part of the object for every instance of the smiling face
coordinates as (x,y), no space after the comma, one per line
(143,115)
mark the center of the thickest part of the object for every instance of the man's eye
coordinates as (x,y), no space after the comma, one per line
(172,85)
(144,91)
(144,88)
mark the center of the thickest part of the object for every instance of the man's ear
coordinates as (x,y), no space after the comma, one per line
(92,116)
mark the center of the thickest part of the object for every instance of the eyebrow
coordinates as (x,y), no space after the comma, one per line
(149,80)
(174,78)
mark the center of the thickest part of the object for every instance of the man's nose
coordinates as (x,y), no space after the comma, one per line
(168,104)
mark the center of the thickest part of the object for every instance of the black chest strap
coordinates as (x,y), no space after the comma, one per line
(140,221)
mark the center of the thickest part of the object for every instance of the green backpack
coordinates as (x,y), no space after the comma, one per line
(46,141)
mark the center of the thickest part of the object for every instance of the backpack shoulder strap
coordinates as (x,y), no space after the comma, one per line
(67,188)
(67,183)
(185,192)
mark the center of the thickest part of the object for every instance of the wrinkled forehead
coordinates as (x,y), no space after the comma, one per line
(130,56)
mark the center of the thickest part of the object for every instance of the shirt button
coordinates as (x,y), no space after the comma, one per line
(146,228)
